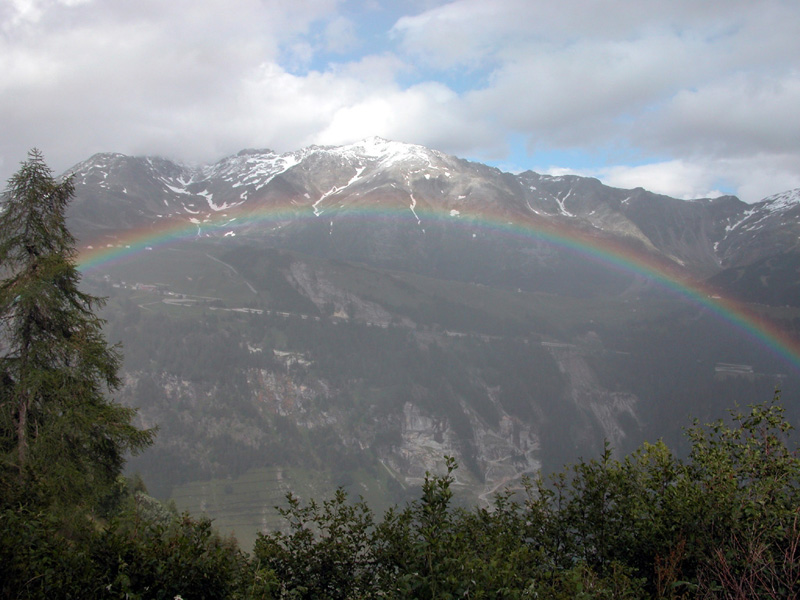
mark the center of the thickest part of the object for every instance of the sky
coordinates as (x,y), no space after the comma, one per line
(690,98)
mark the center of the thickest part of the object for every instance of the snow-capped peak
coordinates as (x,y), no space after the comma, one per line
(251,168)
(787,199)
(385,152)
(102,160)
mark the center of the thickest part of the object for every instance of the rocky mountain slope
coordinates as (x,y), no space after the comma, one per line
(362,311)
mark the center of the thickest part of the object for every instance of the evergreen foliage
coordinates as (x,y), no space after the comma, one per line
(62,440)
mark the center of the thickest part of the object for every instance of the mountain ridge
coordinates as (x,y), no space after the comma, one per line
(701,237)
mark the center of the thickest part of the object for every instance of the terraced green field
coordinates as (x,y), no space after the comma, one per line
(246,505)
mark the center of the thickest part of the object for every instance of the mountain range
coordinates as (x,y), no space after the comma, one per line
(290,199)
(349,315)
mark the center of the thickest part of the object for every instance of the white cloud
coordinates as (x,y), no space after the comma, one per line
(758,175)
(753,177)
(734,116)
(586,91)
(340,35)
(456,33)
(676,178)
(376,71)
(429,114)
(706,92)
(19,12)
(161,77)
(466,31)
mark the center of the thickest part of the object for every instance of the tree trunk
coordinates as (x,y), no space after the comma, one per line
(22,435)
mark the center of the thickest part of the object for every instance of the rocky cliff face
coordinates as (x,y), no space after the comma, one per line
(448,323)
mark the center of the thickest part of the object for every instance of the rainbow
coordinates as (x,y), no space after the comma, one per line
(604,251)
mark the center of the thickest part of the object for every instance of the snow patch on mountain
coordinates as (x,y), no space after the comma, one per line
(335,190)
(176,190)
(385,154)
(209,196)
(533,210)
(412,207)
(251,168)
(745,215)
(561,204)
(788,199)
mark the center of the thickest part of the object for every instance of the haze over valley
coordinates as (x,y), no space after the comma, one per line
(351,315)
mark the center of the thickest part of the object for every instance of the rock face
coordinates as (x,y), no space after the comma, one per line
(596,407)
(338,358)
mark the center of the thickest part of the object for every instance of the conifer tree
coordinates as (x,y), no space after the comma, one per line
(63,437)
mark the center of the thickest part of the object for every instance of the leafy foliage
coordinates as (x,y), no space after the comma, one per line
(143,552)
(326,553)
(722,523)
